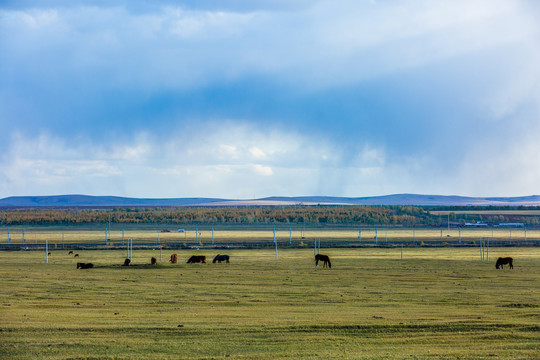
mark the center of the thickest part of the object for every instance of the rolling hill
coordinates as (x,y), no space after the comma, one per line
(396,199)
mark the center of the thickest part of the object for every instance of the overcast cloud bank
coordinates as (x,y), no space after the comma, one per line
(252,99)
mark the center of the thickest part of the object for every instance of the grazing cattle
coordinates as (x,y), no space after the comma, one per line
(49,253)
(153,261)
(324,258)
(127,262)
(76,255)
(174,259)
(70,252)
(84,265)
(503,261)
(220,258)
(197,259)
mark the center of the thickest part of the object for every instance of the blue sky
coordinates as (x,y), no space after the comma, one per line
(246,99)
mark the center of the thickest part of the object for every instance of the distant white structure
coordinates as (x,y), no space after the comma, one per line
(476,224)
(511,225)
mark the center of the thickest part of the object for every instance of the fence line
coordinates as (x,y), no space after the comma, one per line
(262,245)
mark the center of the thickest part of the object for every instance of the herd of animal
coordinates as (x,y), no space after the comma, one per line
(153,261)
(200,259)
(325,259)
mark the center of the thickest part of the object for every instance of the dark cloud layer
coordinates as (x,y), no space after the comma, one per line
(376,97)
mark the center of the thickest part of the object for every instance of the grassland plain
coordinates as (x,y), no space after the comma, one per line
(435,303)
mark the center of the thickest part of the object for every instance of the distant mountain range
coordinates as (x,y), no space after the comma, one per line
(397,199)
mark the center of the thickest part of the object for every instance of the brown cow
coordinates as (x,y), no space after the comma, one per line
(84,265)
(174,259)
(153,261)
(197,259)
(127,262)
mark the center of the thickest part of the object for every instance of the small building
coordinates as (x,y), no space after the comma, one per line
(511,225)
(476,224)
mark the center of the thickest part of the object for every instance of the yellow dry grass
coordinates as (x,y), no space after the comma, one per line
(75,235)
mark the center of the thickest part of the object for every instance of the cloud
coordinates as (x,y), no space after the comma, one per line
(222,164)
(327,97)
(327,44)
(232,158)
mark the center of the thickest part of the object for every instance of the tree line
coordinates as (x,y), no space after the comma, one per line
(313,215)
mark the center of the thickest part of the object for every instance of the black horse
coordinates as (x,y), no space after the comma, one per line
(220,258)
(503,261)
(324,258)
(197,259)
(84,265)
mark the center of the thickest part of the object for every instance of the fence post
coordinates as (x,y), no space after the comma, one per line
(290,236)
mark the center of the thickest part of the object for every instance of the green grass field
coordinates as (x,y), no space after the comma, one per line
(435,303)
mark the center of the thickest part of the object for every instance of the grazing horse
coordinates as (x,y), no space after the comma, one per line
(323,258)
(220,258)
(76,255)
(127,262)
(503,261)
(174,259)
(70,252)
(153,261)
(84,265)
(197,259)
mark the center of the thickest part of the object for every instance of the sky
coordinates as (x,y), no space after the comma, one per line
(253,98)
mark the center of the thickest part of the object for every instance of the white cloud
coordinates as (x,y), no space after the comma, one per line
(232,159)
(329,43)
(263,170)
(257,153)
(500,168)
(75,52)
(181,167)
